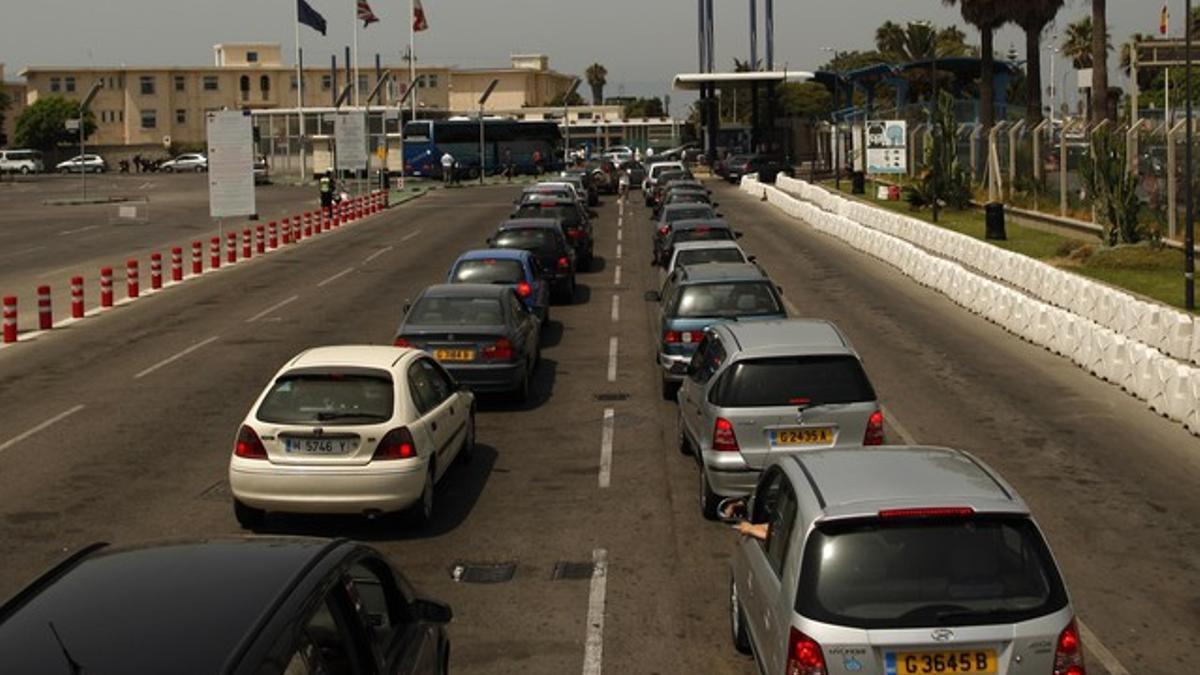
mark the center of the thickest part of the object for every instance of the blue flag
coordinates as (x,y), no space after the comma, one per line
(310,17)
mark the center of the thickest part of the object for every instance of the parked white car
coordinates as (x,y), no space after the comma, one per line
(81,163)
(351,430)
(189,162)
(21,161)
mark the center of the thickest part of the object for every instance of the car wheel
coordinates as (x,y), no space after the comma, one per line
(421,513)
(248,517)
(199,169)
(685,446)
(669,389)
(708,499)
(737,620)
(64,171)
(167,169)
(24,171)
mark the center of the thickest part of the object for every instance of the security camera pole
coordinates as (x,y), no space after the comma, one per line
(83,106)
(482,152)
(400,113)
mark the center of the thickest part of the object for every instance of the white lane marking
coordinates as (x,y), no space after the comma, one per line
(612,359)
(39,428)
(15,254)
(272,308)
(618,251)
(616,308)
(171,359)
(593,653)
(1090,640)
(378,253)
(619,233)
(606,446)
(617,276)
(335,277)
(76,231)
(410,235)
(1097,649)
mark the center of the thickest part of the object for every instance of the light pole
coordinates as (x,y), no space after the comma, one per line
(837,132)
(567,120)
(482,156)
(1189,236)
(83,106)
(1053,89)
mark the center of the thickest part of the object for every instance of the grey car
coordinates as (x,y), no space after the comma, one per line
(899,560)
(758,390)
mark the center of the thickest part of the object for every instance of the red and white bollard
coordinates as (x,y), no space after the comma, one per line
(246,243)
(45,313)
(308,228)
(231,247)
(287,231)
(197,258)
(106,287)
(326,220)
(176,263)
(274,236)
(76,297)
(260,239)
(214,253)
(131,278)
(10,318)
(156,271)
(297,228)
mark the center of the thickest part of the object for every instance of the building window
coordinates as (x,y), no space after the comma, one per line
(431,81)
(251,57)
(121,116)
(149,119)
(264,85)
(211,83)
(180,83)
(326,82)
(362,84)
(56,84)
(147,85)
(244,86)
(295,83)
(69,84)
(181,116)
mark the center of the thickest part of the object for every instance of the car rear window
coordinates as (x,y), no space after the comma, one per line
(489,271)
(456,311)
(687,213)
(709,255)
(744,298)
(532,239)
(329,399)
(568,215)
(794,381)
(702,234)
(911,573)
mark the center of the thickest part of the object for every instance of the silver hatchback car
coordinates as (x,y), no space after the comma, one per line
(756,390)
(898,561)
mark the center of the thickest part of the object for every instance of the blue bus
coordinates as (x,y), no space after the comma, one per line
(425,141)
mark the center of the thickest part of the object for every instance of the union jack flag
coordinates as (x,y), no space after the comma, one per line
(365,14)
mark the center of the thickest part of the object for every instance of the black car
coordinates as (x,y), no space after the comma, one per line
(261,605)
(636,171)
(766,167)
(677,212)
(545,239)
(573,219)
(482,334)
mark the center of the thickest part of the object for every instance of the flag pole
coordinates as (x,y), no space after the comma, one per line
(355,7)
(299,88)
(412,56)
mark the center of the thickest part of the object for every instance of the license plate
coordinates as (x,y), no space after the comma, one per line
(802,437)
(320,446)
(454,354)
(976,662)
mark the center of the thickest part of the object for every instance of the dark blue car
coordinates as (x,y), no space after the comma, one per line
(516,268)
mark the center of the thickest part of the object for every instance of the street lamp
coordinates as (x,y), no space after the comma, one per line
(567,120)
(933,96)
(482,155)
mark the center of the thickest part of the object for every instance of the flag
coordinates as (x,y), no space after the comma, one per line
(365,14)
(310,17)
(1164,25)
(418,18)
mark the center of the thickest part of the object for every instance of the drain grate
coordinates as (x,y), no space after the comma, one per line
(572,571)
(483,573)
(613,396)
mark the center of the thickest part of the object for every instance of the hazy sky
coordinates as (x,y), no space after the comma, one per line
(641,42)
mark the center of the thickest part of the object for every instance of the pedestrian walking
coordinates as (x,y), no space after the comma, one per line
(508,165)
(623,184)
(537,161)
(448,165)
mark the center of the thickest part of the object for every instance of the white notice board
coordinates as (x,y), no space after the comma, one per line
(887,146)
(350,138)
(230,164)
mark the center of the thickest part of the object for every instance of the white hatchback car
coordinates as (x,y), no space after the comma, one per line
(709,251)
(189,162)
(351,429)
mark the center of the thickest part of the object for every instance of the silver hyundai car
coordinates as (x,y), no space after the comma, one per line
(897,561)
(756,390)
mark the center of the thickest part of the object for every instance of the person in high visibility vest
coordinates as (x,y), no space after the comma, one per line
(326,187)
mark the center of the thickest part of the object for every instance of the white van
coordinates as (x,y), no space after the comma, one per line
(21,161)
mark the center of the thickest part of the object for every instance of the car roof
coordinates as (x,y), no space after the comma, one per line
(695,223)
(786,337)
(530,224)
(705,245)
(858,482)
(707,272)
(139,608)
(367,356)
(495,254)
(548,200)
(465,291)
(689,205)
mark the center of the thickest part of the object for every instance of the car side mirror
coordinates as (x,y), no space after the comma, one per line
(780,289)
(752,258)
(652,296)
(736,234)
(732,510)
(407,306)
(432,611)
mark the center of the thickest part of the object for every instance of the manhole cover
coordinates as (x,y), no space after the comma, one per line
(483,573)
(615,396)
(572,570)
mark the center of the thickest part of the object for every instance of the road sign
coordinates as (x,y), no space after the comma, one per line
(887,146)
(72,125)
(230,164)
(350,137)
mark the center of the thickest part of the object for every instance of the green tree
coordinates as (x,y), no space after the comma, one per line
(645,107)
(807,99)
(597,77)
(898,43)
(1033,16)
(5,102)
(987,16)
(43,125)
(1077,43)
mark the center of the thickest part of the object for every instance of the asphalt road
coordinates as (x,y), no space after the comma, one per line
(132,415)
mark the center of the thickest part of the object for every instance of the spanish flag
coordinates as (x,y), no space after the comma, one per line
(1164,26)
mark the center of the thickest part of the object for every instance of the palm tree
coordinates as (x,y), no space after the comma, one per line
(1033,16)
(1100,47)
(987,16)
(897,44)
(597,75)
(1077,43)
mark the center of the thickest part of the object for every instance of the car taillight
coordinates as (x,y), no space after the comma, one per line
(401,342)
(500,350)
(874,435)
(564,263)
(663,230)
(396,444)
(248,446)
(691,336)
(524,289)
(724,440)
(804,655)
(1068,653)
(575,234)
(671,337)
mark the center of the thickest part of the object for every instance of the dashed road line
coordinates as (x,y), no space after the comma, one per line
(335,277)
(619,233)
(272,308)
(618,251)
(39,428)
(612,359)
(616,308)
(606,447)
(593,654)
(16,254)
(172,359)
(617,276)
(78,230)
(410,235)
(376,254)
